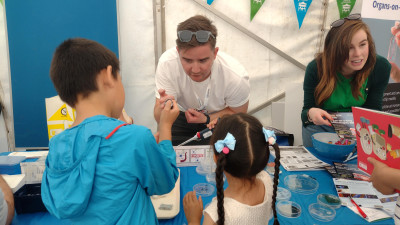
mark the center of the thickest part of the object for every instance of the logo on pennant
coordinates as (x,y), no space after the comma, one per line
(345,7)
(61,114)
(301,9)
(255,6)
(210,2)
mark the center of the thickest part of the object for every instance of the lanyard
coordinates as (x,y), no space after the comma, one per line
(202,106)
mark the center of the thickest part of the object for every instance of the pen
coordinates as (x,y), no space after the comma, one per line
(358,208)
(351,154)
(353,157)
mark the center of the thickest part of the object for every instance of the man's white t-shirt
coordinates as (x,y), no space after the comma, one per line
(228,84)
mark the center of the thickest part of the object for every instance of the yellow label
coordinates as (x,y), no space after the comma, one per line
(61,114)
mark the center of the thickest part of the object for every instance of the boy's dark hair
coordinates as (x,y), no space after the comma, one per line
(194,24)
(75,66)
(250,156)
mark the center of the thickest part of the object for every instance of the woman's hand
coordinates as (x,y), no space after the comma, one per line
(319,116)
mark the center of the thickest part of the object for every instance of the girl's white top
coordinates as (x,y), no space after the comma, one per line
(239,213)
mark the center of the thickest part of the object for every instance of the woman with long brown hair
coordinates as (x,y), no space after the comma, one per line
(347,73)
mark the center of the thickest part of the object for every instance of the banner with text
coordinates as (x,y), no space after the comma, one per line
(381,9)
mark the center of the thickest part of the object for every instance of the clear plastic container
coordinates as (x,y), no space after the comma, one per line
(328,200)
(283,194)
(288,209)
(204,189)
(301,183)
(321,213)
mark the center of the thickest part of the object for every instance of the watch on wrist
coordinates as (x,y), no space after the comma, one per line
(208,119)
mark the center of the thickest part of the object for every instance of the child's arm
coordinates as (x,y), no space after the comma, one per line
(167,118)
(385,179)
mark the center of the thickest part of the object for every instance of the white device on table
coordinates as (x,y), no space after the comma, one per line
(167,206)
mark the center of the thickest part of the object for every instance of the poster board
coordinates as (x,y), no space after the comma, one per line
(35,29)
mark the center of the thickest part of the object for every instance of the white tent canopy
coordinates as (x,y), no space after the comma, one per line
(271,47)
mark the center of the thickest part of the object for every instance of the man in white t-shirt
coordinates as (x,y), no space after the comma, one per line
(206,83)
(6,202)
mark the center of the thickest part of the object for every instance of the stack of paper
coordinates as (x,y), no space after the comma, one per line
(298,158)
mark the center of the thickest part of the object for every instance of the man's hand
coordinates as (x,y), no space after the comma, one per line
(317,116)
(193,208)
(194,116)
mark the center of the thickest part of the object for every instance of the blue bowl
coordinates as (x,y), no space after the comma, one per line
(321,142)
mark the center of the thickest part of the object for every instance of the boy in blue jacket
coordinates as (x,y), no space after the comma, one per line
(101,170)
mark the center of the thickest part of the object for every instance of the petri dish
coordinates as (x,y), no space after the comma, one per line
(288,209)
(329,200)
(204,189)
(283,194)
(321,213)
(301,183)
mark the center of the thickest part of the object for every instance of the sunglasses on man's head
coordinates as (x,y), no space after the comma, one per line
(201,35)
(340,22)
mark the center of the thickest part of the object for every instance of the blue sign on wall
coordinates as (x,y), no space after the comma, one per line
(35,29)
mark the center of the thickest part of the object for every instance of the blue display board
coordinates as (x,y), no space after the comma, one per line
(35,29)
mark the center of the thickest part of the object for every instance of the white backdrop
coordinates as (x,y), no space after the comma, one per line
(270,74)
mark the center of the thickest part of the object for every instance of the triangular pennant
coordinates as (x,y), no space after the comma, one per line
(210,2)
(301,9)
(345,7)
(61,114)
(255,6)
(1,1)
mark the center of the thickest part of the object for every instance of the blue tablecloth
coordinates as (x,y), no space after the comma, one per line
(189,178)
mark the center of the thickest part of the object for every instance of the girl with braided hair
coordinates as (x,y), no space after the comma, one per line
(241,152)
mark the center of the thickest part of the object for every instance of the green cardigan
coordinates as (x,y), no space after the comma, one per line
(376,85)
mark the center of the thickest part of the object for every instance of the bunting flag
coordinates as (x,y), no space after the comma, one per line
(301,9)
(255,6)
(1,1)
(345,7)
(208,2)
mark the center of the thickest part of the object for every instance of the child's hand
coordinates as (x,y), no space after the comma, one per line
(164,97)
(193,208)
(168,114)
(378,177)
